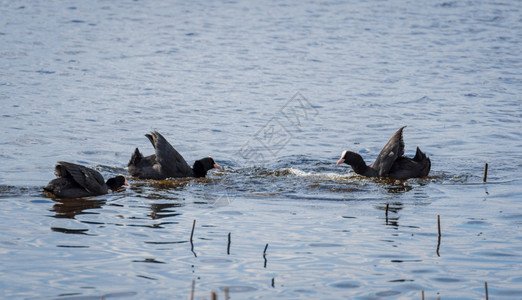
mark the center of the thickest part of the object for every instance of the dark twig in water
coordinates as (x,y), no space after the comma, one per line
(438,244)
(213,295)
(486,290)
(192,231)
(422,295)
(228,245)
(191,236)
(273,282)
(438,224)
(264,254)
(485,173)
(192,289)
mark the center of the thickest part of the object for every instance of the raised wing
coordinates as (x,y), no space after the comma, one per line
(389,154)
(172,163)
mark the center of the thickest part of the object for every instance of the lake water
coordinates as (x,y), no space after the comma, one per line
(274,91)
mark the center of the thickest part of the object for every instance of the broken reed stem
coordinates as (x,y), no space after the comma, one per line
(485,173)
(486,289)
(438,224)
(192,289)
(228,245)
(191,235)
(264,255)
(438,244)
(192,231)
(422,295)
(213,295)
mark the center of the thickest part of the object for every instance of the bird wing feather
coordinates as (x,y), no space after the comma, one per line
(389,154)
(91,180)
(170,160)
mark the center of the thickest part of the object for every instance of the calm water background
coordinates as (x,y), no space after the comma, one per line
(84,81)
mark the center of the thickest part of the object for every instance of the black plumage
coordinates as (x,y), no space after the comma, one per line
(391,161)
(166,162)
(76,181)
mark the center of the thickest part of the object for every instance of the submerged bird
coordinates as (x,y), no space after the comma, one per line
(76,181)
(391,162)
(167,162)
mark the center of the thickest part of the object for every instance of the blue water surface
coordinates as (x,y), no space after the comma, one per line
(274,91)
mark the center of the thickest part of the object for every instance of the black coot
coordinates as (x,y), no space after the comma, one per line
(167,162)
(76,181)
(391,162)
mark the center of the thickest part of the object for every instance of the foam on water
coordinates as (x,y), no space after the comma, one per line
(312,174)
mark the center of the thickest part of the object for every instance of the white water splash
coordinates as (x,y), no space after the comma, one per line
(329,175)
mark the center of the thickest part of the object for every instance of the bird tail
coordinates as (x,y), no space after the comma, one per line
(419,155)
(60,170)
(423,160)
(135,158)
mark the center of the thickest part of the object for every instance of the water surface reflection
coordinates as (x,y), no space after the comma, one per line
(70,208)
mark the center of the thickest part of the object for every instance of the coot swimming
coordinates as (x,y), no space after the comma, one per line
(76,181)
(391,162)
(167,162)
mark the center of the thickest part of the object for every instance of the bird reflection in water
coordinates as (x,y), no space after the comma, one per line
(164,210)
(70,208)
